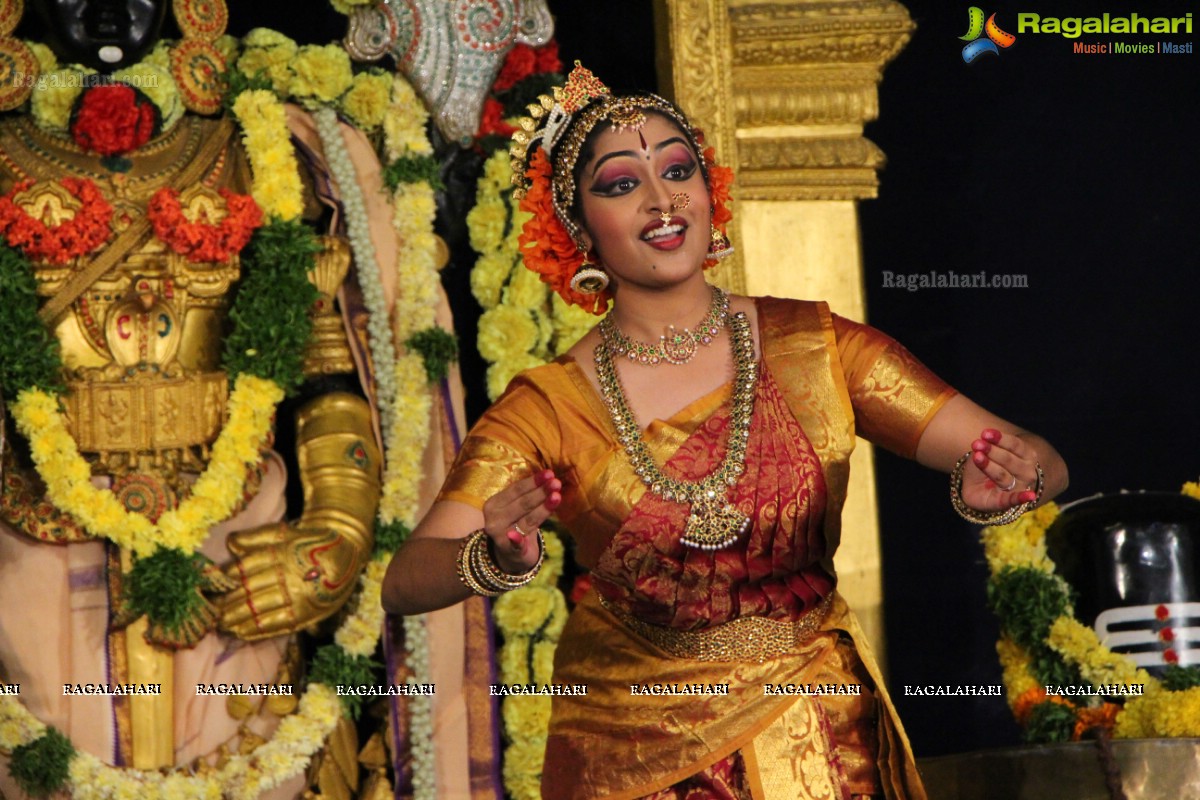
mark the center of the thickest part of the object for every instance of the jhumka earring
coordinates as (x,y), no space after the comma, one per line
(590,278)
(719,245)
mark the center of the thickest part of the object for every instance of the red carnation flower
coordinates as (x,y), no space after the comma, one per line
(518,65)
(112,119)
(547,58)
(493,120)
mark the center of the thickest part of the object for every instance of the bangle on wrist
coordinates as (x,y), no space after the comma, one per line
(989,517)
(479,572)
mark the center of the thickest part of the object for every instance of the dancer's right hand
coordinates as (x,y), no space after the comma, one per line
(513,515)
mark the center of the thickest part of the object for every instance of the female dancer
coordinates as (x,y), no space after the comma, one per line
(695,445)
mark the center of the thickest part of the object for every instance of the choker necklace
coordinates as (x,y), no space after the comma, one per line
(714,522)
(675,347)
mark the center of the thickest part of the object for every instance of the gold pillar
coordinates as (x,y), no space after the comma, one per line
(782,90)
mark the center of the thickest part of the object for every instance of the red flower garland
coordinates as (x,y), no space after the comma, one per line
(111,119)
(86,231)
(202,241)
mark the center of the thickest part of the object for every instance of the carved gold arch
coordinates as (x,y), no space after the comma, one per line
(782,90)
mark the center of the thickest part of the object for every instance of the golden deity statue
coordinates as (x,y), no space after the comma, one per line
(140,213)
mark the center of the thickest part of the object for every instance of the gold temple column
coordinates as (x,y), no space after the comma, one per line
(782,90)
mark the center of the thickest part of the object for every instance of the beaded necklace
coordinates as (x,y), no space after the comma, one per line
(714,522)
(676,347)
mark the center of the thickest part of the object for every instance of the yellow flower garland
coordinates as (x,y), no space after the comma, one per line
(1158,712)
(523,325)
(242,776)
(214,495)
(531,620)
(417,299)
(276,187)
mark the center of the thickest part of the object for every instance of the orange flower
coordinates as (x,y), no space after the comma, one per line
(202,241)
(1031,698)
(1087,718)
(81,234)
(720,180)
(545,244)
(550,251)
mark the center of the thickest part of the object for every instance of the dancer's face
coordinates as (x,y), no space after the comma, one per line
(629,180)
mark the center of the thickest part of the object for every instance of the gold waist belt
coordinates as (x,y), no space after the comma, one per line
(147,416)
(743,639)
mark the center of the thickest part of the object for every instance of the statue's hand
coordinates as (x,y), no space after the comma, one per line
(286,579)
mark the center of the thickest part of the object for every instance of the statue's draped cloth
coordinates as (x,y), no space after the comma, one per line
(820,377)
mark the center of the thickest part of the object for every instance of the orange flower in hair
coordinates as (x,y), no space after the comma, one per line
(545,244)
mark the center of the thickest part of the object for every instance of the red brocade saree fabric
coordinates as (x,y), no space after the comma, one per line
(820,376)
(774,571)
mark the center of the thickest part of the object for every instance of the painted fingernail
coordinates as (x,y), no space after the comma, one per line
(1027,497)
(554,485)
(980,446)
(991,435)
(553,501)
(515,538)
(980,459)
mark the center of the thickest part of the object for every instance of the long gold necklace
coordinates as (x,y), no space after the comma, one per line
(714,522)
(677,347)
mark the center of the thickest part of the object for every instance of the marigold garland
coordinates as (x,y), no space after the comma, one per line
(1158,712)
(87,230)
(214,495)
(276,187)
(201,240)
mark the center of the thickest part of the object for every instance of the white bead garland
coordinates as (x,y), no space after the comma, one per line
(383,354)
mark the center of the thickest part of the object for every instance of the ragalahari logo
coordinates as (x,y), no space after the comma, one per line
(976,28)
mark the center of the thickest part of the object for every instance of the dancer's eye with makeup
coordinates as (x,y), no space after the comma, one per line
(680,170)
(610,185)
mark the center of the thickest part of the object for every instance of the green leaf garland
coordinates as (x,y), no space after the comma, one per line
(333,666)
(1050,722)
(438,349)
(1028,601)
(270,314)
(389,536)
(413,169)
(42,767)
(29,353)
(164,587)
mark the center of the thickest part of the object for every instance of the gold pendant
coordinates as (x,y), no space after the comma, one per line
(713,527)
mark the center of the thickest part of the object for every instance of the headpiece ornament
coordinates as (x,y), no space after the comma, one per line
(545,150)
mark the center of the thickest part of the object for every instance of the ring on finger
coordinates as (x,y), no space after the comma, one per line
(520,530)
(1012,485)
